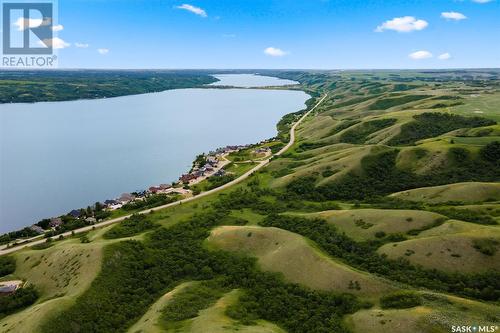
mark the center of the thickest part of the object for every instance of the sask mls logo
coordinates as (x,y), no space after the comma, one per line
(474,329)
(28,34)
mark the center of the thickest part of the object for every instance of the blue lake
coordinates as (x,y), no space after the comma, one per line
(58,156)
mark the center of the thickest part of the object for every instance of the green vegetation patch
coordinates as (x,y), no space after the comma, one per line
(431,124)
(19,299)
(386,103)
(7,265)
(187,303)
(360,133)
(134,225)
(400,300)
(486,246)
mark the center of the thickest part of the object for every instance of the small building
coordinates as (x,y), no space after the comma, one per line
(220,172)
(154,189)
(37,229)
(164,187)
(125,198)
(74,213)
(115,206)
(55,222)
(187,178)
(91,220)
(109,202)
(8,289)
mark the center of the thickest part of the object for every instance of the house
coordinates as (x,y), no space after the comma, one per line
(220,173)
(7,289)
(108,203)
(125,198)
(115,206)
(154,189)
(37,229)
(55,222)
(187,177)
(164,187)
(212,160)
(75,213)
(91,220)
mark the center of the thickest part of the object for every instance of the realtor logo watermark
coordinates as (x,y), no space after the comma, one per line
(28,33)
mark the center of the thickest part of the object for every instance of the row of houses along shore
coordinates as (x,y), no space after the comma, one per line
(206,165)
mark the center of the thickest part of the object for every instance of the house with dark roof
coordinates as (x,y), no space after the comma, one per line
(55,222)
(74,213)
(125,198)
(37,229)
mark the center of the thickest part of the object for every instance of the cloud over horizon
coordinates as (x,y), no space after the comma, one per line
(403,24)
(103,51)
(444,56)
(275,52)
(419,55)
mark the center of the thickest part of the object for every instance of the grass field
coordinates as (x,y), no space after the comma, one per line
(450,247)
(484,105)
(465,192)
(363,224)
(296,258)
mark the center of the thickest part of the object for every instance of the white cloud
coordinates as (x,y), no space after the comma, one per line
(482,1)
(103,51)
(444,56)
(57,27)
(193,9)
(453,16)
(275,52)
(56,43)
(81,45)
(403,24)
(23,23)
(419,55)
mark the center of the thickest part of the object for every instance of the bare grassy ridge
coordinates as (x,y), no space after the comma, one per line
(469,192)
(292,255)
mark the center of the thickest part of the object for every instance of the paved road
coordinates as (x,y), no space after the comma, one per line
(201,195)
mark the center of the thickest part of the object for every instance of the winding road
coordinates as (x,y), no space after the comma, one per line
(203,194)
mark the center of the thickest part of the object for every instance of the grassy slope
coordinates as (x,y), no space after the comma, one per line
(288,253)
(356,222)
(60,273)
(214,320)
(449,247)
(466,192)
(436,315)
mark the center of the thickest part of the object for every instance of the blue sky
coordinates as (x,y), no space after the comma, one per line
(323,34)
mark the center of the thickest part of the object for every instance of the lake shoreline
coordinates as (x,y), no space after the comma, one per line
(215,88)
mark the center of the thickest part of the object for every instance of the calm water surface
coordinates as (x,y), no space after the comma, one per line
(63,155)
(250,80)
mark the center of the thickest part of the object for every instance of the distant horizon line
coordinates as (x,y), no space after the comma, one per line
(246,69)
